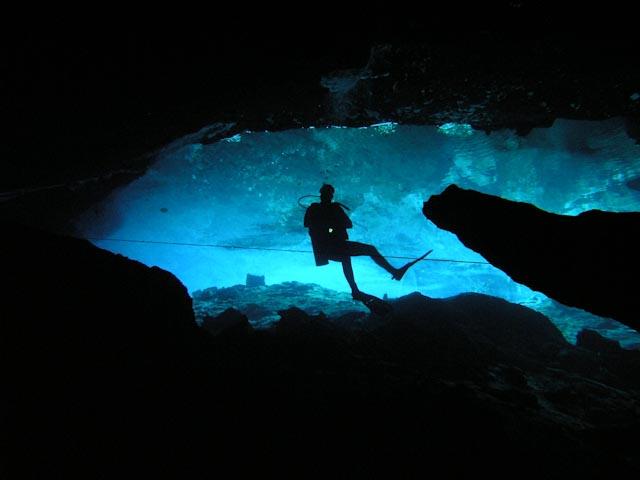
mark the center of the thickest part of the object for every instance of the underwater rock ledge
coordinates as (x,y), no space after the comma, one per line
(585,261)
(261,304)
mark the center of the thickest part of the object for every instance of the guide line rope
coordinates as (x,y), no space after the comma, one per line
(266,249)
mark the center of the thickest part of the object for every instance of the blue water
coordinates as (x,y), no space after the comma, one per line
(243,191)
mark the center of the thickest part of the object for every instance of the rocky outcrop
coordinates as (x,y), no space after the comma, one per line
(410,75)
(106,371)
(79,287)
(455,382)
(230,322)
(261,304)
(91,342)
(466,82)
(587,261)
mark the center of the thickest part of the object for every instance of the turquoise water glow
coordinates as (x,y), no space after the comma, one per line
(243,191)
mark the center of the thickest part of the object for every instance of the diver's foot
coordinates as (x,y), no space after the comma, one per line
(399,273)
(366,299)
(358,295)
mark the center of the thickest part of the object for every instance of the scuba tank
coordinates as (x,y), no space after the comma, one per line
(318,196)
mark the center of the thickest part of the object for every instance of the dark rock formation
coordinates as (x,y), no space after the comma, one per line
(107,373)
(86,109)
(587,261)
(467,82)
(261,304)
(595,342)
(90,341)
(70,287)
(231,322)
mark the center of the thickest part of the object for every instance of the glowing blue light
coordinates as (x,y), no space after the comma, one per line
(244,193)
(385,128)
(456,129)
(234,139)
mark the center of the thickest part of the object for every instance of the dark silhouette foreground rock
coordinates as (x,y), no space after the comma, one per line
(109,376)
(589,261)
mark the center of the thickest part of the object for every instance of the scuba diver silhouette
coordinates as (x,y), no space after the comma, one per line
(328,223)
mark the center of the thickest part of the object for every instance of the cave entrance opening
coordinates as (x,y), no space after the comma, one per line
(243,191)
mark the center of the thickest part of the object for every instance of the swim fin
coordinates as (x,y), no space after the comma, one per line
(402,270)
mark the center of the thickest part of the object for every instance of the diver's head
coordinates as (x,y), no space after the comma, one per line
(326,193)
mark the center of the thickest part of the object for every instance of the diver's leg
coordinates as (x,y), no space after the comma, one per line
(357,249)
(347,268)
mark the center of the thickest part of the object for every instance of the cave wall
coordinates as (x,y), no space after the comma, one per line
(587,261)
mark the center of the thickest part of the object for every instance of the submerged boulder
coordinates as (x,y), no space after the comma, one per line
(230,322)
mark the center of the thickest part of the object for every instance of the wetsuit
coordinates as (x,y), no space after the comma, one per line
(327,224)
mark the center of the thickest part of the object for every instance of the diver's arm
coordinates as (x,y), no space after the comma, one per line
(344,218)
(307,216)
(348,222)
